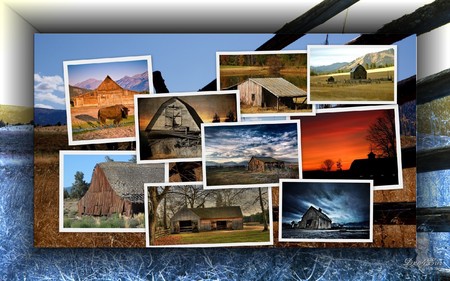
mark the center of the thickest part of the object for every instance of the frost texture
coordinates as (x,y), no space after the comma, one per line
(20,261)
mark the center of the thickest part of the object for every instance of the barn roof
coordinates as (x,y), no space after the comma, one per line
(108,85)
(190,109)
(320,214)
(279,87)
(127,178)
(266,159)
(356,67)
(218,212)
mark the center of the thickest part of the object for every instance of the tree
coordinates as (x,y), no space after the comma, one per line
(230,117)
(133,159)
(216,118)
(381,135)
(155,196)
(327,165)
(79,187)
(275,64)
(108,159)
(66,193)
(339,165)
(263,210)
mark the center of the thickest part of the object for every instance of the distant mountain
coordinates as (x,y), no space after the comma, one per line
(90,84)
(45,116)
(226,164)
(138,82)
(13,114)
(381,58)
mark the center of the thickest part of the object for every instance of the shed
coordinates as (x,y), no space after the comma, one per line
(270,92)
(315,219)
(207,219)
(358,72)
(261,164)
(118,187)
(107,93)
(175,115)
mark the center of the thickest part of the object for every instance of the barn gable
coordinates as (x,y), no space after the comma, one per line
(108,85)
(315,219)
(118,187)
(358,72)
(175,114)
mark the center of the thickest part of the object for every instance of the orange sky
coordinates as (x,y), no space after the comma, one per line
(338,135)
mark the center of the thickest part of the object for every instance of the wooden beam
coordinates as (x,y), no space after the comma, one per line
(394,213)
(406,90)
(434,219)
(295,29)
(433,87)
(433,160)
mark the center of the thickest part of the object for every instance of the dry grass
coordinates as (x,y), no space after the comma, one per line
(238,175)
(248,109)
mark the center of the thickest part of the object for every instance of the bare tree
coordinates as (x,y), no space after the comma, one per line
(339,165)
(381,134)
(327,165)
(263,210)
(155,196)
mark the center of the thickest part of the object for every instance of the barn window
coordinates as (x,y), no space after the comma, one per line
(253,97)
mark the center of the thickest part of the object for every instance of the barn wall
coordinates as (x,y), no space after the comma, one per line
(247,89)
(186,119)
(105,98)
(269,100)
(182,215)
(256,165)
(211,224)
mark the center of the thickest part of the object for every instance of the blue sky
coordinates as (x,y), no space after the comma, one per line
(238,143)
(85,163)
(187,61)
(341,202)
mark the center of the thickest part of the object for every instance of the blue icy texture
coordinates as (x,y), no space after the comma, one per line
(433,189)
(20,261)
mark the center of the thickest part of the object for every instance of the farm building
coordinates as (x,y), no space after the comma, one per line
(175,115)
(261,164)
(107,93)
(358,72)
(374,167)
(118,187)
(207,219)
(315,219)
(330,80)
(271,92)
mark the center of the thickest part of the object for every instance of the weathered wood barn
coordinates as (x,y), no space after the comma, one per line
(107,93)
(261,164)
(370,168)
(118,187)
(358,72)
(271,92)
(175,115)
(315,219)
(207,219)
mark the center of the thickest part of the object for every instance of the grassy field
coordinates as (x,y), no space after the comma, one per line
(248,234)
(240,175)
(377,90)
(228,70)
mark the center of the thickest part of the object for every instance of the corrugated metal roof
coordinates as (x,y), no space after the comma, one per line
(218,212)
(127,178)
(279,87)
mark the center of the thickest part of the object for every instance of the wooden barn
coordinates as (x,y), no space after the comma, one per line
(372,167)
(175,115)
(107,93)
(271,92)
(261,164)
(207,219)
(358,72)
(118,187)
(315,219)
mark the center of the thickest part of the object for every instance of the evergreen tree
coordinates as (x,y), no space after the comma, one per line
(79,187)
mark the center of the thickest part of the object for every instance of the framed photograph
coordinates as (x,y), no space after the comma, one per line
(353,143)
(250,154)
(181,215)
(187,172)
(168,125)
(103,191)
(352,74)
(100,97)
(271,83)
(326,211)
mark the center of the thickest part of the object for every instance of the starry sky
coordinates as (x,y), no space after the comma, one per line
(341,202)
(336,135)
(239,143)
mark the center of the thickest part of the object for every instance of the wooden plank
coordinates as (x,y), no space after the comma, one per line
(396,213)
(433,87)
(435,219)
(433,160)
(406,90)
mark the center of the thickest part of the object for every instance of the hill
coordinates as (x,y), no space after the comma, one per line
(44,116)
(13,114)
(76,91)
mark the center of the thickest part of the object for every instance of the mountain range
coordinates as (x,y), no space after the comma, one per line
(381,58)
(138,82)
(45,116)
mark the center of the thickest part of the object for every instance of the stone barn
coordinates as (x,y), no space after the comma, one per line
(175,115)
(271,92)
(106,94)
(358,72)
(315,219)
(207,219)
(261,164)
(118,187)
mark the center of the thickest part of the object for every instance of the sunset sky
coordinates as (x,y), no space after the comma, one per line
(238,143)
(337,135)
(205,105)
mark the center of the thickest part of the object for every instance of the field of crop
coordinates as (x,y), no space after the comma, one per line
(240,175)
(375,88)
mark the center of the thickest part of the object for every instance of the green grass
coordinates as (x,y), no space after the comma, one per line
(82,127)
(114,221)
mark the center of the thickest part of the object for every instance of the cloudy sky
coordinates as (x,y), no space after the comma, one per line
(239,143)
(331,54)
(341,202)
(186,61)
